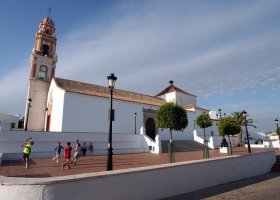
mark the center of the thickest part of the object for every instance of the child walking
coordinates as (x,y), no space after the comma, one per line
(27,151)
(57,152)
(67,155)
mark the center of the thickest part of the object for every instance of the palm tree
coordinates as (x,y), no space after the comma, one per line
(239,117)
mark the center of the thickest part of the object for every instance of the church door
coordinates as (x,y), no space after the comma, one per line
(151,128)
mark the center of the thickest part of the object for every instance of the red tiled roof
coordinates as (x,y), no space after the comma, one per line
(192,106)
(101,91)
(172,88)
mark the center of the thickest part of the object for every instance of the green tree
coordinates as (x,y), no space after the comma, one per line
(278,131)
(204,121)
(228,126)
(173,117)
(239,117)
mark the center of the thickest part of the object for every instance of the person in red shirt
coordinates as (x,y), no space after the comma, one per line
(67,155)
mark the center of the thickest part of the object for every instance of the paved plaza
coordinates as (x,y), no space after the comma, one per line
(46,168)
(261,187)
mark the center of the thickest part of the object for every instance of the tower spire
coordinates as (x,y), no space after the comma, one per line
(42,69)
(49,12)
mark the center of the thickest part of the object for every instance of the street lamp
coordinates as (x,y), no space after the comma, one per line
(135,115)
(27,114)
(276,122)
(220,112)
(111,84)
(205,142)
(247,135)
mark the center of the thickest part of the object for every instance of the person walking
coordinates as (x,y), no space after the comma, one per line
(67,155)
(27,151)
(84,149)
(77,153)
(57,152)
(90,148)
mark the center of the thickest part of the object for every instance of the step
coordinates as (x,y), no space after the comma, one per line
(182,146)
(276,166)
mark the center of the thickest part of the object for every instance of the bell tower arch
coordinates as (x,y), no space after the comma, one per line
(42,69)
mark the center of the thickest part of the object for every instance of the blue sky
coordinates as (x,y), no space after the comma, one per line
(225,52)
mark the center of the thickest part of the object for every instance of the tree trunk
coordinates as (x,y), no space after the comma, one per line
(229,146)
(171,156)
(239,139)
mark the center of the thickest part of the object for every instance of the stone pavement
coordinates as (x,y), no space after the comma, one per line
(47,168)
(256,188)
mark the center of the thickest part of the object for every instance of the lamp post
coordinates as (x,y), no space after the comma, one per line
(27,114)
(276,122)
(205,142)
(217,119)
(277,129)
(220,112)
(247,135)
(111,84)
(135,115)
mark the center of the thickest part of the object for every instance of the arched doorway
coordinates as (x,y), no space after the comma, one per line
(151,128)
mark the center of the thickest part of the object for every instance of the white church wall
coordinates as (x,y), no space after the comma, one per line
(179,135)
(179,98)
(86,113)
(170,97)
(57,107)
(187,133)
(124,116)
(44,143)
(183,99)
(210,131)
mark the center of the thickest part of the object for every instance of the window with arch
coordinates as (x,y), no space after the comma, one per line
(45,51)
(43,72)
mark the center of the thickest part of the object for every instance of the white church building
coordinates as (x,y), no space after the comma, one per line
(60,105)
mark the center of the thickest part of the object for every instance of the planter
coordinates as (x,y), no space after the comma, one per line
(223,150)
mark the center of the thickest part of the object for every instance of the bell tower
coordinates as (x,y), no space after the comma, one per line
(42,69)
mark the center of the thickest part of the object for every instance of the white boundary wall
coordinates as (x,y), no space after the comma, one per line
(155,182)
(214,142)
(44,143)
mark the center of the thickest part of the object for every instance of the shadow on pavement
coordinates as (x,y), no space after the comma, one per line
(33,175)
(223,188)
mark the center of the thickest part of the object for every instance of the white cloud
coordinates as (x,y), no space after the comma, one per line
(206,49)
(14,90)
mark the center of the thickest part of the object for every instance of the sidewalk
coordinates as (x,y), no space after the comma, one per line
(256,188)
(47,168)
